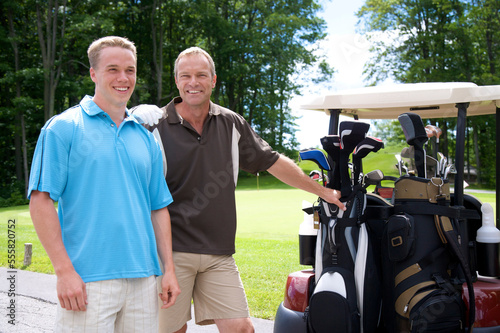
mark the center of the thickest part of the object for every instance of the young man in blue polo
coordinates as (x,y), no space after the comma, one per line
(106,173)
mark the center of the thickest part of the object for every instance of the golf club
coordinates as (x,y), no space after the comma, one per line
(331,144)
(416,136)
(369,144)
(351,134)
(400,164)
(318,157)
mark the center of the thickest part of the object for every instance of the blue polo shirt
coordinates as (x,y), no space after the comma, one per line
(107,180)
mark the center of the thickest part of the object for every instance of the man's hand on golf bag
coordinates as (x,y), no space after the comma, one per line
(148,114)
(333,196)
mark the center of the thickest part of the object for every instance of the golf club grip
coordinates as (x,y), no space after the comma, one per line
(331,144)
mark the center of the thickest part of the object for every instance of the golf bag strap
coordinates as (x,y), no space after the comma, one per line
(426,208)
(406,300)
(382,212)
(445,228)
(419,266)
(444,284)
(344,221)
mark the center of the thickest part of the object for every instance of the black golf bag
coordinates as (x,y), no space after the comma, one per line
(346,296)
(425,252)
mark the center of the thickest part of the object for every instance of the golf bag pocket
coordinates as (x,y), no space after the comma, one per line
(400,232)
(440,310)
(332,306)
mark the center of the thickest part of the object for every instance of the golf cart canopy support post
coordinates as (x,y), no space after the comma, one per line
(497,169)
(429,100)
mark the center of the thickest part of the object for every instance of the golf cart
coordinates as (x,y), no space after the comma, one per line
(476,275)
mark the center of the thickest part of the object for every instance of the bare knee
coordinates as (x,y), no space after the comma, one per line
(247,326)
(237,325)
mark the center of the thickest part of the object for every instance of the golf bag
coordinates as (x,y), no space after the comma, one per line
(424,261)
(346,296)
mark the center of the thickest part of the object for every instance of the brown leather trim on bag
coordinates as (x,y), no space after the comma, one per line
(417,299)
(437,222)
(412,188)
(403,301)
(406,273)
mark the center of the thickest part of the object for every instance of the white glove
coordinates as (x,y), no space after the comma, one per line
(148,114)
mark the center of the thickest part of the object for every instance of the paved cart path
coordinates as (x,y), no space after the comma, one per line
(34,306)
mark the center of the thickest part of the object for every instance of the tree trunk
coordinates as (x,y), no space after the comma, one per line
(48,46)
(157,32)
(25,154)
(20,129)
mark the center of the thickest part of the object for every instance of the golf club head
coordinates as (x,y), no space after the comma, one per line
(331,144)
(408,152)
(415,135)
(444,163)
(351,134)
(317,156)
(433,131)
(318,176)
(430,131)
(368,145)
(373,178)
(413,128)
(432,165)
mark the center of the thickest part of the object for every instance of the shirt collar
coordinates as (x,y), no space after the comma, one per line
(91,108)
(174,117)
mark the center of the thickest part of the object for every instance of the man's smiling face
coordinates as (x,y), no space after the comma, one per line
(114,76)
(194,80)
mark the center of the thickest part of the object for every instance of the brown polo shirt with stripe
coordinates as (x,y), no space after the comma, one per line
(201,173)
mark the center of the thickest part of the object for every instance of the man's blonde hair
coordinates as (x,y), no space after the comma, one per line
(195,51)
(95,48)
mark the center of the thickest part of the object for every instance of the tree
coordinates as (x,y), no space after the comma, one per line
(259,48)
(436,41)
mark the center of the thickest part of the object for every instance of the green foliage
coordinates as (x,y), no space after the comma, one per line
(259,47)
(438,41)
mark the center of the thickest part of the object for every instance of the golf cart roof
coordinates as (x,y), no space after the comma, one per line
(429,100)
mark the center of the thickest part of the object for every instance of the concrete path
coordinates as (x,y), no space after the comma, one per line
(34,306)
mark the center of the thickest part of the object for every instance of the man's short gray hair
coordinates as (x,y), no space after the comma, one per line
(195,51)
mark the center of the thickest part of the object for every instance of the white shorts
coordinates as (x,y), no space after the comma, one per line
(120,305)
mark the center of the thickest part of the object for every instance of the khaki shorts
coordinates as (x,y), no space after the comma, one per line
(213,283)
(119,305)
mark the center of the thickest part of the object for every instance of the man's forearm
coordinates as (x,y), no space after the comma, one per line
(163,235)
(288,172)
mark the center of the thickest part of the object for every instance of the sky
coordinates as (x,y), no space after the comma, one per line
(347,54)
